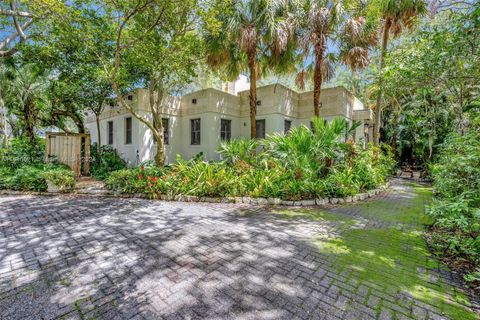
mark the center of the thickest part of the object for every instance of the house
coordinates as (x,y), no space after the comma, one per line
(199,121)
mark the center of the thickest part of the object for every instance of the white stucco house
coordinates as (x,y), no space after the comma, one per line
(199,121)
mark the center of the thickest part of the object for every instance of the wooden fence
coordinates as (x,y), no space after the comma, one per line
(72,149)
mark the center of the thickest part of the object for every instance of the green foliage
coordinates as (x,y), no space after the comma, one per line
(456,209)
(300,165)
(431,83)
(238,150)
(104,161)
(62,178)
(21,152)
(28,178)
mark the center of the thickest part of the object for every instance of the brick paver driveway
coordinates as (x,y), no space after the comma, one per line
(108,258)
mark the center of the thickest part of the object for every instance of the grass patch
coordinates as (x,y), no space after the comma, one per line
(394,259)
(312,214)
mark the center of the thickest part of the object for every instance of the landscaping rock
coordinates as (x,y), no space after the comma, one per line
(348,199)
(274,201)
(261,201)
(287,203)
(321,202)
(333,200)
(362,196)
(341,200)
(246,200)
(305,203)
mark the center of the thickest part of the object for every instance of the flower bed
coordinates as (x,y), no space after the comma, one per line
(301,167)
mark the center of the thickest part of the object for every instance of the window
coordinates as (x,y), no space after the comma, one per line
(225,129)
(165,122)
(166,138)
(194,101)
(128,130)
(130,97)
(110,132)
(287,125)
(261,129)
(195,131)
(259,102)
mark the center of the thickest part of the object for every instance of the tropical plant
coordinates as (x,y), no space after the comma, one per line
(105,159)
(456,208)
(25,95)
(63,179)
(395,15)
(236,150)
(253,34)
(304,164)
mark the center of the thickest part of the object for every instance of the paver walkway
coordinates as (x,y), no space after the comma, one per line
(109,258)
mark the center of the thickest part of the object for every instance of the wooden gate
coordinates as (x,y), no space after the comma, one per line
(72,149)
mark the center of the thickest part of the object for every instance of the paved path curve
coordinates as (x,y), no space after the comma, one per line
(108,258)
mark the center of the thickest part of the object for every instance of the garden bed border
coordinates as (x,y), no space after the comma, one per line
(237,200)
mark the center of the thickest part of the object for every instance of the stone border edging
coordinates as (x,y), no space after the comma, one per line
(238,200)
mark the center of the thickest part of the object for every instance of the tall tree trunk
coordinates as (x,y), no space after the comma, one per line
(160,155)
(253,93)
(99,134)
(27,118)
(378,107)
(156,99)
(317,79)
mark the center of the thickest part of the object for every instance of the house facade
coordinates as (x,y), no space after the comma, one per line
(199,121)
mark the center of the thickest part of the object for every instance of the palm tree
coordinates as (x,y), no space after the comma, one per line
(317,22)
(25,96)
(250,31)
(357,36)
(396,15)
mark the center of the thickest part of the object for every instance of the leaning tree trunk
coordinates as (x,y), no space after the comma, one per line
(378,107)
(253,94)
(317,80)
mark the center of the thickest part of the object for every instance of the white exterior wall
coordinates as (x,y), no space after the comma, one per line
(277,104)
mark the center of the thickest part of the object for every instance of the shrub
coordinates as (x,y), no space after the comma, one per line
(104,161)
(238,150)
(63,179)
(300,165)
(456,207)
(6,174)
(28,178)
(20,152)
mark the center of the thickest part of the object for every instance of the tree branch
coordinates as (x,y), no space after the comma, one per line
(16,23)
(10,38)
(15,13)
